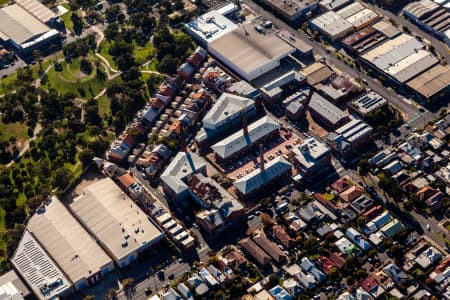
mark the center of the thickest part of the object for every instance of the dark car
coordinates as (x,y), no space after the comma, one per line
(161,275)
(148,291)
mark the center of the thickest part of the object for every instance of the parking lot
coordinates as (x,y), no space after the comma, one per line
(277,147)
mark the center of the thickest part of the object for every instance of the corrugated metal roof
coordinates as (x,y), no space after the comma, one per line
(37,9)
(257,179)
(182,165)
(238,141)
(18,25)
(114,219)
(326,109)
(412,65)
(227,107)
(67,241)
(38,269)
(432,81)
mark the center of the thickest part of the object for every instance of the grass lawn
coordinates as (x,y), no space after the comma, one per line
(104,51)
(104,106)
(2,2)
(21,200)
(141,54)
(67,18)
(17,129)
(70,79)
(329,196)
(151,66)
(76,168)
(8,83)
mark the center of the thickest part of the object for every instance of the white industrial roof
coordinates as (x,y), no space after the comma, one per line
(226,108)
(114,219)
(37,268)
(332,23)
(212,25)
(393,51)
(363,17)
(310,151)
(412,65)
(257,179)
(11,284)
(19,25)
(182,165)
(68,243)
(350,10)
(246,51)
(238,141)
(353,130)
(37,9)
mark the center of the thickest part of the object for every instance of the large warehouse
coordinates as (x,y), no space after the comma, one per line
(401,58)
(432,84)
(64,242)
(250,50)
(332,25)
(116,222)
(22,28)
(39,270)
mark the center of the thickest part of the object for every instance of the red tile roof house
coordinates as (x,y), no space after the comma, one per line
(351,194)
(327,203)
(337,259)
(258,254)
(431,197)
(372,287)
(341,184)
(125,181)
(282,236)
(325,264)
(233,260)
(270,248)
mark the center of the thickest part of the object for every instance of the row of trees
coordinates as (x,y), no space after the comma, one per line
(80,47)
(171,48)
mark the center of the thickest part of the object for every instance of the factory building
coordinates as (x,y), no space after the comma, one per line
(115,221)
(24,28)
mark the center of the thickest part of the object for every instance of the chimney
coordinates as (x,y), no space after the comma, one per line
(182,140)
(244,122)
(261,158)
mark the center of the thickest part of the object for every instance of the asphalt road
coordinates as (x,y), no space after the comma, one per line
(12,69)
(176,269)
(396,100)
